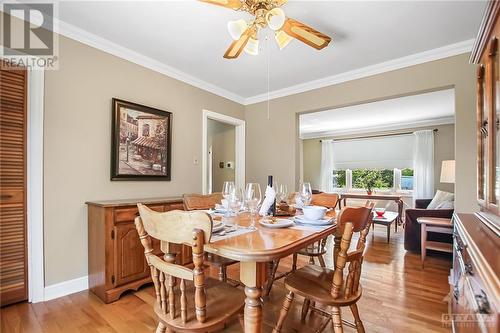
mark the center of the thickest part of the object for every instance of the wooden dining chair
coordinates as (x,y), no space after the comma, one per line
(186,301)
(204,202)
(316,250)
(334,288)
(200,201)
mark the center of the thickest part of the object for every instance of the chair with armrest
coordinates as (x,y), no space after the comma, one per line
(412,227)
(186,300)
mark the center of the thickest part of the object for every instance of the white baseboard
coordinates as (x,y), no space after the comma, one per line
(66,287)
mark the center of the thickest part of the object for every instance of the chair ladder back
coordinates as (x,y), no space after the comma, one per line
(167,275)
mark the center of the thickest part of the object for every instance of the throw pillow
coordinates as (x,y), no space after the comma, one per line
(440,197)
(446,205)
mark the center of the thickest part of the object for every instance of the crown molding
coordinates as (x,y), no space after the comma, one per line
(374,129)
(387,66)
(85,37)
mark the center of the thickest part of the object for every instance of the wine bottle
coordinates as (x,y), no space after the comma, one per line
(272,209)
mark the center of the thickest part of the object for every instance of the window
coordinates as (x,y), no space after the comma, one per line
(145,130)
(374,178)
(339,179)
(407,179)
(380,179)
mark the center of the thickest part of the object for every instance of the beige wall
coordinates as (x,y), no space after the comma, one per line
(77,134)
(444,149)
(273,147)
(221,137)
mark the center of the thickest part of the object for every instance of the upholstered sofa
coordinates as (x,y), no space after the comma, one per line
(412,228)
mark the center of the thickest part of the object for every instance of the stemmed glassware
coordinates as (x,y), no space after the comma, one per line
(282,193)
(253,198)
(227,189)
(236,201)
(305,193)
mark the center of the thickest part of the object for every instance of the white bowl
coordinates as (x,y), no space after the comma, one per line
(314,212)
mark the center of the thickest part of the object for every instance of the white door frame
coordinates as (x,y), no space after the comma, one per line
(239,172)
(35,107)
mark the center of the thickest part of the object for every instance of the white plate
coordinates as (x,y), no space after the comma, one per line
(303,220)
(217,227)
(279,223)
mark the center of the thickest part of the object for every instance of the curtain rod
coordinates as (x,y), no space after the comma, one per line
(377,136)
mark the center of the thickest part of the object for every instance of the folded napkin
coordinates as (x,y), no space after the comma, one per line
(269,199)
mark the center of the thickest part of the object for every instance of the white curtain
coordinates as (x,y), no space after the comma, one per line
(327,166)
(423,165)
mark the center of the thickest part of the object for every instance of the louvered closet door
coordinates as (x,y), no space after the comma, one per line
(13,255)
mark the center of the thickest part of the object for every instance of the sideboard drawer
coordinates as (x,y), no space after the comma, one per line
(129,214)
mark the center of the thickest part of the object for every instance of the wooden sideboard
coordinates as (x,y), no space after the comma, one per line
(116,261)
(475,286)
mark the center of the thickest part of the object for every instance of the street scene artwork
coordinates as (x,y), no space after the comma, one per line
(142,142)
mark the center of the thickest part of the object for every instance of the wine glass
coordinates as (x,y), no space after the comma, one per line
(282,193)
(227,189)
(236,200)
(305,193)
(253,197)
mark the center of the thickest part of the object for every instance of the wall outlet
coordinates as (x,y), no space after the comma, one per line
(230,165)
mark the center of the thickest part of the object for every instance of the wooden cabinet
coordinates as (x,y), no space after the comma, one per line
(475,286)
(486,54)
(116,256)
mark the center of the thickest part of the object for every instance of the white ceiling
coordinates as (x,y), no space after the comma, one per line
(431,108)
(189,38)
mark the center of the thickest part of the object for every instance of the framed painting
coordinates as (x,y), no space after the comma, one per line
(141,143)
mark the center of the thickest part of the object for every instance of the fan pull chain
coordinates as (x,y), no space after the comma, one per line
(268,77)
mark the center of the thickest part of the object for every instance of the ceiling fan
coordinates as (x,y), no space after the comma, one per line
(267,13)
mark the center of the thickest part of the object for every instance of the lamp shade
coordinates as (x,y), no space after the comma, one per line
(237,28)
(282,38)
(275,18)
(252,47)
(448,171)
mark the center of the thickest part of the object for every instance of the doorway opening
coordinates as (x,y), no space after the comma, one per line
(223,156)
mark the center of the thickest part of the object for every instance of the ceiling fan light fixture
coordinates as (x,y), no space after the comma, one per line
(252,46)
(237,28)
(282,38)
(275,18)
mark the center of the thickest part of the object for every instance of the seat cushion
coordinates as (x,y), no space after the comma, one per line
(439,198)
(223,301)
(315,283)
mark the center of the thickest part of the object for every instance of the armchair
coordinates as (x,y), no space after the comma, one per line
(412,228)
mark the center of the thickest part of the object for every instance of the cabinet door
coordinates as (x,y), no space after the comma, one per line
(13,118)
(130,262)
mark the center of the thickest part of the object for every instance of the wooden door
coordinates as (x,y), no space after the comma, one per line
(13,247)
(131,263)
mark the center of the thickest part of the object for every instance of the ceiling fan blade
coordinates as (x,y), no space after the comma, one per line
(306,34)
(232,4)
(237,46)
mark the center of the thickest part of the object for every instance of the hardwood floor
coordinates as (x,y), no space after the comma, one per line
(398,296)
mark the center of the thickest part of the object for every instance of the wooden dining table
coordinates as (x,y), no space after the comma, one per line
(255,250)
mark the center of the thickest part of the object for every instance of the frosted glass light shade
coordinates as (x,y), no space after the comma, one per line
(448,171)
(275,18)
(282,38)
(252,46)
(237,28)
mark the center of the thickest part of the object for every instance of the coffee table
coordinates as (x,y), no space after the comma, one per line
(387,219)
